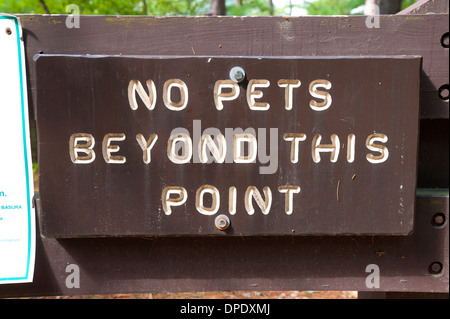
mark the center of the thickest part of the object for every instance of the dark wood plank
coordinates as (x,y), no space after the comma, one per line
(251,36)
(273,263)
(89,95)
(176,264)
(427,6)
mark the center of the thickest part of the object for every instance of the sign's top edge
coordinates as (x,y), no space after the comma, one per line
(274,17)
(322,57)
(8,16)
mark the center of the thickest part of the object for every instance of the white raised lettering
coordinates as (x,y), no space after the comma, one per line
(232,200)
(288,201)
(220,96)
(253,192)
(86,148)
(148,99)
(186,155)
(322,106)
(107,148)
(252,148)
(333,148)
(167,94)
(146,146)
(351,148)
(168,202)
(252,95)
(294,138)
(289,86)
(217,152)
(370,144)
(215,200)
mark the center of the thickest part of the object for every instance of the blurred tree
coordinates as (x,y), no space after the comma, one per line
(345,7)
(44,6)
(110,7)
(331,7)
(218,8)
(251,8)
(142,7)
(389,6)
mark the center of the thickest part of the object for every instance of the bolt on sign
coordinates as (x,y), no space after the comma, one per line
(145,146)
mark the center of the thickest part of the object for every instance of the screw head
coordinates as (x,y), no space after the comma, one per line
(237,74)
(435,268)
(444,40)
(438,220)
(222,222)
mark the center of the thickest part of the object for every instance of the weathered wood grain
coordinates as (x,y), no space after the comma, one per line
(251,36)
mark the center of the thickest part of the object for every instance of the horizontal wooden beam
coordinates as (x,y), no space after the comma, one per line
(180,264)
(252,36)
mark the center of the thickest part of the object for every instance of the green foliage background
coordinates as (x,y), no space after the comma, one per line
(339,7)
(180,7)
(332,7)
(110,7)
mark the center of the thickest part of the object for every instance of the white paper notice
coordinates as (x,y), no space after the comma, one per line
(17,219)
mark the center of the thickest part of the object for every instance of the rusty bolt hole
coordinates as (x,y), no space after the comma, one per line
(8,31)
(443,92)
(438,220)
(435,268)
(444,40)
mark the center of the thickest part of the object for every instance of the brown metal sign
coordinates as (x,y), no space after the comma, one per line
(145,146)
